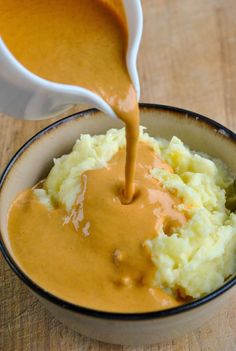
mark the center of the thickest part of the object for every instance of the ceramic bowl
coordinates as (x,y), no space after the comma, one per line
(32,163)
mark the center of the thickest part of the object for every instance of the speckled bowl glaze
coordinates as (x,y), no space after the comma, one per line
(32,163)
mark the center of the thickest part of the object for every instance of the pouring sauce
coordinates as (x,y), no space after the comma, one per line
(78,42)
(99,261)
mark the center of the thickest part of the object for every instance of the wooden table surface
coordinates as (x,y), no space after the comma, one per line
(187,59)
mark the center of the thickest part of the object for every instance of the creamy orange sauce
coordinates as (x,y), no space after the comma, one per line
(79,42)
(97,256)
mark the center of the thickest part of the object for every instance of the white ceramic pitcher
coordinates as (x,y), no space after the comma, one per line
(25,95)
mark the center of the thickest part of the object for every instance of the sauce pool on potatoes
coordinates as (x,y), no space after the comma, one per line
(95,256)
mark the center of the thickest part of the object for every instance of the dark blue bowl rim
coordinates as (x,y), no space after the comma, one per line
(102,314)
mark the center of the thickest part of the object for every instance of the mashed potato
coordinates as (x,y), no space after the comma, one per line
(199,256)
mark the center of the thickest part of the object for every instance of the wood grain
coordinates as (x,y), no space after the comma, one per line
(187,59)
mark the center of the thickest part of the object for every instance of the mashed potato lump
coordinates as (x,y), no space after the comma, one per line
(198,256)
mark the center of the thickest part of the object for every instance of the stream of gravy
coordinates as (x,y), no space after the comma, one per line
(96,256)
(78,42)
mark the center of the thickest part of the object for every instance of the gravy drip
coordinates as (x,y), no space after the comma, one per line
(78,42)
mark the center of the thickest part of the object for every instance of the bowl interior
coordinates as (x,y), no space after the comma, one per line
(33,162)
